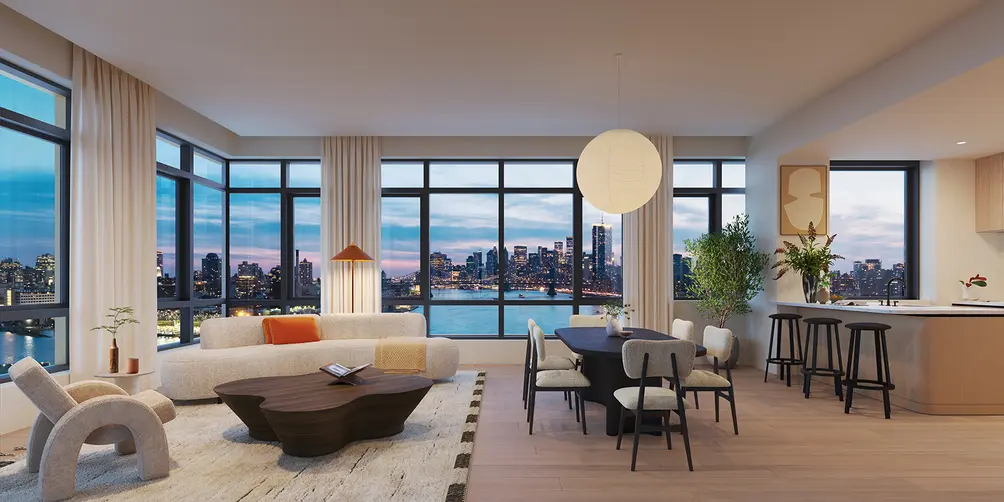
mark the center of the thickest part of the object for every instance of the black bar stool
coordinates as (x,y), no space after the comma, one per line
(883,379)
(777,323)
(810,368)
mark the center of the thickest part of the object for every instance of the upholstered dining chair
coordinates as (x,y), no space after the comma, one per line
(557,380)
(585,321)
(718,341)
(670,359)
(92,412)
(546,363)
(682,329)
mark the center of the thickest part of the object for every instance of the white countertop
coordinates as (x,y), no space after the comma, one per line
(910,310)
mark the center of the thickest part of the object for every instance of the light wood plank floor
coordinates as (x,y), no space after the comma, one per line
(789,449)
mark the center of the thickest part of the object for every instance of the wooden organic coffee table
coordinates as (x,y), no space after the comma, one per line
(310,417)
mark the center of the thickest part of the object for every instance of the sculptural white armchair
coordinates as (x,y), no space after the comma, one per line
(92,412)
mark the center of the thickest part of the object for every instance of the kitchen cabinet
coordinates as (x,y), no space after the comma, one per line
(990,193)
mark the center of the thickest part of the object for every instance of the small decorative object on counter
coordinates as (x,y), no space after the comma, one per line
(976,280)
(132,365)
(120,316)
(811,261)
(612,312)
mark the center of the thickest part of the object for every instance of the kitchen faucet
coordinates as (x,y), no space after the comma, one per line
(888,289)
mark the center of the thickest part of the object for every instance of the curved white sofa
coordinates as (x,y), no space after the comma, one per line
(234,348)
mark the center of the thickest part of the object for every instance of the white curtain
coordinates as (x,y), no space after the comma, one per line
(648,234)
(350,214)
(112,214)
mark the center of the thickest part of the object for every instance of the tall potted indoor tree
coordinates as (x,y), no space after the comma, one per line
(728,272)
(812,261)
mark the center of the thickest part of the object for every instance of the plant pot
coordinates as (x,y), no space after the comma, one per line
(967,292)
(613,326)
(810,286)
(734,355)
(113,358)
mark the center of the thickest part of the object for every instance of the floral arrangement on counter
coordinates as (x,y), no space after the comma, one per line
(812,261)
(976,280)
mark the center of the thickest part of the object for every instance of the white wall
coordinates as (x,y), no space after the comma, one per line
(950,247)
(32,46)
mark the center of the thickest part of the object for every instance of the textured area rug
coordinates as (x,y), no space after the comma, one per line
(213,459)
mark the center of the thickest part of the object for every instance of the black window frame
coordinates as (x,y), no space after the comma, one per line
(713,194)
(422,193)
(288,299)
(60,136)
(185,181)
(911,225)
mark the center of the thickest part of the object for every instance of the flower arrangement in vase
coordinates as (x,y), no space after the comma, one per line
(120,316)
(612,312)
(812,261)
(976,280)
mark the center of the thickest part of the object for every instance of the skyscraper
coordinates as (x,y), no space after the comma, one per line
(492,262)
(212,274)
(559,252)
(46,264)
(519,257)
(305,277)
(160,264)
(438,268)
(602,249)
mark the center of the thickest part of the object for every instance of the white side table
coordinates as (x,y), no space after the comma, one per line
(128,381)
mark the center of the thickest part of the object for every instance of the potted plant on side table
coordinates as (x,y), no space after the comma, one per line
(728,272)
(812,261)
(120,316)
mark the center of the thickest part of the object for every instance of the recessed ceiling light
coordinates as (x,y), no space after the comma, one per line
(961,143)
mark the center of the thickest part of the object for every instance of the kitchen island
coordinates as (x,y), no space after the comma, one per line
(943,359)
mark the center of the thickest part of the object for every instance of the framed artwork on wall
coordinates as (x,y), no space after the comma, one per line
(804,198)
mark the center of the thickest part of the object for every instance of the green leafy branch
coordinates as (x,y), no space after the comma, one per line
(812,259)
(728,271)
(615,309)
(120,317)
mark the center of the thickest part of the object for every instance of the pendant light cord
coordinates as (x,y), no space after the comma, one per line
(617,56)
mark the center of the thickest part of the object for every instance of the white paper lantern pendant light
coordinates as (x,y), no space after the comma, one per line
(619,170)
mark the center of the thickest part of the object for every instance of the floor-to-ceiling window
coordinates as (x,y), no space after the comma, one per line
(481,246)
(191,240)
(34,236)
(874,212)
(274,257)
(707,195)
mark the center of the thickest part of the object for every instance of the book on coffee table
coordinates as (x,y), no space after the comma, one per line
(343,374)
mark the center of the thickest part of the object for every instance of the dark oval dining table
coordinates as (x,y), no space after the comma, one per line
(603,366)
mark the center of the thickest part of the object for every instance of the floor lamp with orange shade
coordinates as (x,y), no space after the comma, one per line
(352,254)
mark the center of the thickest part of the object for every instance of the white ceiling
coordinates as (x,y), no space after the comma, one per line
(519,67)
(929,125)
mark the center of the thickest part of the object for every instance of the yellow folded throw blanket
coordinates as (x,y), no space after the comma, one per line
(400,355)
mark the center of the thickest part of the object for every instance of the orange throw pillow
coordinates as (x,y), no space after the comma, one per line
(283,330)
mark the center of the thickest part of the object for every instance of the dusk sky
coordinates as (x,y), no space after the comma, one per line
(463,223)
(27,177)
(255,233)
